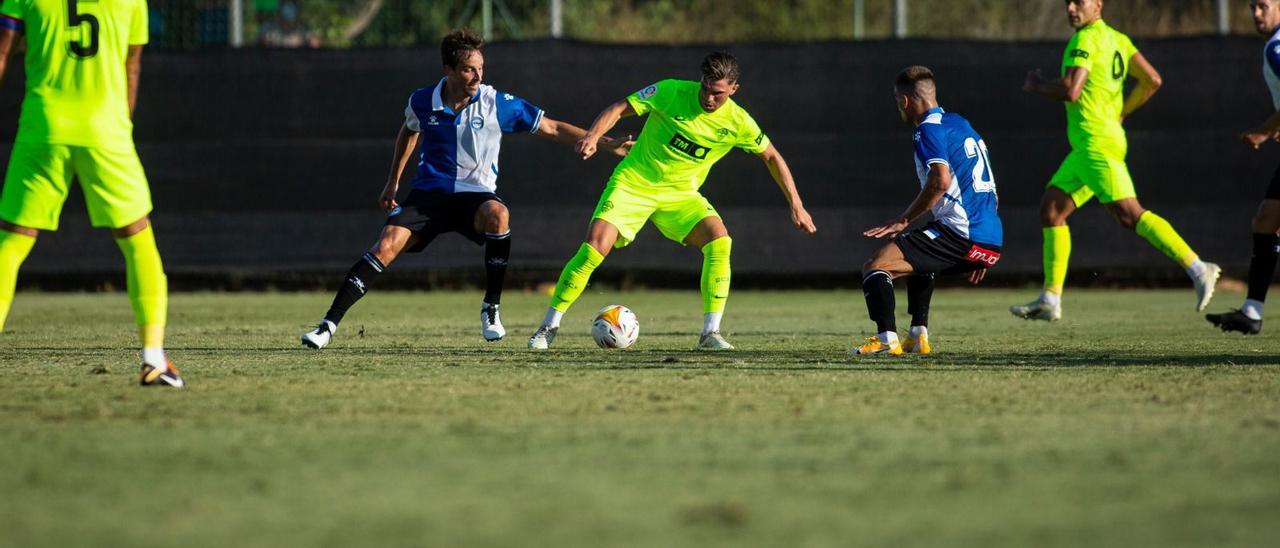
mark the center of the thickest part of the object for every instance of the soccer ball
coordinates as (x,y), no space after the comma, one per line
(615,326)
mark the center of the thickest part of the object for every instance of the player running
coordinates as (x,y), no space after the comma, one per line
(693,125)
(460,122)
(1266,222)
(1097,61)
(957,185)
(83,62)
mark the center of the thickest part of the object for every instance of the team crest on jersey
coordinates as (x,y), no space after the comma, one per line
(722,133)
(647,92)
(606,206)
(477,122)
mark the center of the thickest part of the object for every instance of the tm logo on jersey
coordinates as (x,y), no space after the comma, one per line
(683,144)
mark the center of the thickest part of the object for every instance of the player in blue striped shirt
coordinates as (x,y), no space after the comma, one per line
(460,123)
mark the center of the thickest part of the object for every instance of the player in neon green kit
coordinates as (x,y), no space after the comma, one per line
(1094,68)
(83,61)
(691,125)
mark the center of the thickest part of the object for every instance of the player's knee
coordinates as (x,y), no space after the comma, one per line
(719,247)
(1266,222)
(494,217)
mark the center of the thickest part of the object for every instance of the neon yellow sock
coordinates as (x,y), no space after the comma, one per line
(14,249)
(1057,250)
(715,274)
(574,277)
(148,286)
(1161,235)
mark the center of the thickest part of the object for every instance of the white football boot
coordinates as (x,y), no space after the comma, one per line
(543,337)
(490,324)
(1205,284)
(713,341)
(1038,310)
(320,336)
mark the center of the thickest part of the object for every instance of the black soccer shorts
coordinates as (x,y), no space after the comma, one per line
(430,214)
(936,249)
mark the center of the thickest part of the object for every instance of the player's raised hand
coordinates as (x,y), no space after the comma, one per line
(887,229)
(586,146)
(622,146)
(1254,138)
(387,200)
(800,217)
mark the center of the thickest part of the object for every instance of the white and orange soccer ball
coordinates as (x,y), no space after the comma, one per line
(615,326)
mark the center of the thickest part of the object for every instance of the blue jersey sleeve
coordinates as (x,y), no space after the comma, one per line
(515,115)
(931,144)
(1273,57)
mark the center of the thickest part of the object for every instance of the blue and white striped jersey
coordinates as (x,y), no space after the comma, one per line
(460,150)
(969,205)
(1271,67)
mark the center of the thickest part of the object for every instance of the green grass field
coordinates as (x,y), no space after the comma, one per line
(1130,423)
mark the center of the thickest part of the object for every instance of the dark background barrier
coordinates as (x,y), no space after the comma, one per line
(266,164)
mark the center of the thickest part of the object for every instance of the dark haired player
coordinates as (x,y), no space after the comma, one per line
(690,127)
(966,233)
(460,122)
(1097,61)
(1266,223)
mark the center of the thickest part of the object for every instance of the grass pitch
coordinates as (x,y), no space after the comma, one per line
(1130,423)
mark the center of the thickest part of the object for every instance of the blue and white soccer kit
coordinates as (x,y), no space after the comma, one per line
(460,149)
(966,232)
(458,165)
(1271,73)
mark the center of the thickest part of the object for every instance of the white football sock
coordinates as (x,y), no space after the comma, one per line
(1051,299)
(1197,269)
(552,318)
(918,330)
(888,337)
(154,357)
(1252,309)
(711,322)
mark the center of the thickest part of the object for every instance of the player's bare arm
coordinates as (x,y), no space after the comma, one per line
(1270,129)
(1148,82)
(569,134)
(406,141)
(7,39)
(937,185)
(133,73)
(602,124)
(782,176)
(1066,89)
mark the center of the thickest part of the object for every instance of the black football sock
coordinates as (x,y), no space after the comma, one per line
(1263,266)
(877,287)
(919,294)
(358,281)
(497,249)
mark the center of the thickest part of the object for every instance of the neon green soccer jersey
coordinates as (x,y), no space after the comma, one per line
(680,141)
(1093,122)
(77,89)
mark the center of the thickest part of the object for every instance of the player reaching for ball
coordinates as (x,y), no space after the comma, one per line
(83,63)
(1097,61)
(691,125)
(966,233)
(460,122)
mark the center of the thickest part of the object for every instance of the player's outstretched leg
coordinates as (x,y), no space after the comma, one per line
(716,274)
(14,248)
(497,251)
(148,289)
(877,287)
(573,280)
(1262,268)
(358,281)
(919,295)
(1161,235)
(1057,252)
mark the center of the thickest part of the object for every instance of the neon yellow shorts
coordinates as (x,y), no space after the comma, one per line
(1085,174)
(40,175)
(674,212)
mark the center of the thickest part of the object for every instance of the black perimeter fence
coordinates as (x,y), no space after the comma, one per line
(265,165)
